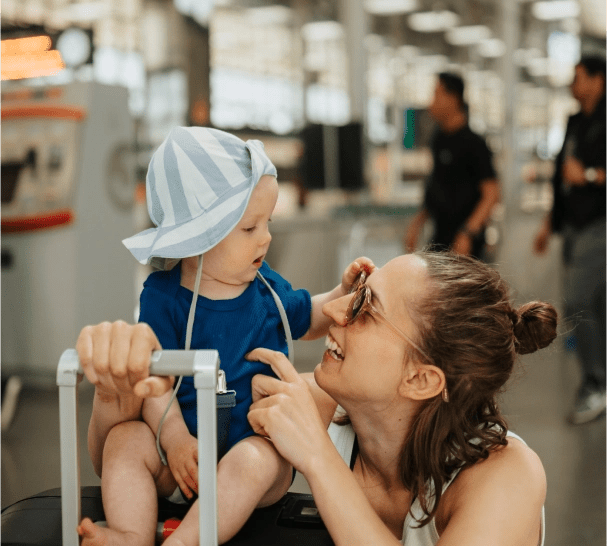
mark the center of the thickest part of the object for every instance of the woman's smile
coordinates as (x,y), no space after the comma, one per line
(333,348)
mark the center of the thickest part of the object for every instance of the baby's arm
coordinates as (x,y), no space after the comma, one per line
(319,323)
(180,446)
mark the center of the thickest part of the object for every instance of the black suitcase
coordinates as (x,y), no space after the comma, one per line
(50,518)
(294,520)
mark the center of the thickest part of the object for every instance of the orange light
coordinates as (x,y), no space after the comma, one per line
(31,44)
(31,65)
(29,57)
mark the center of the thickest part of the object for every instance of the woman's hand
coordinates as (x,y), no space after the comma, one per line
(115,358)
(285,411)
(183,462)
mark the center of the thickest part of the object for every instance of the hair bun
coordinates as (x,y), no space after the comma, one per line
(534,326)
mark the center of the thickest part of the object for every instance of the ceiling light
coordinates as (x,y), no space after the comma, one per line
(462,36)
(270,15)
(75,47)
(491,48)
(556,9)
(84,12)
(433,21)
(390,7)
(319,31)
(431,63)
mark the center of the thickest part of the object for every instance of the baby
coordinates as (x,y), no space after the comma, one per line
(211,196)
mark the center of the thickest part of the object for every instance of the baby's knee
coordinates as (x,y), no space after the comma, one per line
(254,460)
(132,439)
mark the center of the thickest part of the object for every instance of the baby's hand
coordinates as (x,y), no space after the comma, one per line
(353,270)
(183,462)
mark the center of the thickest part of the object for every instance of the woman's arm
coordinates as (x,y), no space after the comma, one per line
(286,411)
(115,358)
(497,501)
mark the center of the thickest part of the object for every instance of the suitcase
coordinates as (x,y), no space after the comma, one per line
(50,518)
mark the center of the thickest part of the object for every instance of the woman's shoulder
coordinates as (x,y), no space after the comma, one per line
(516,460)
(510,481)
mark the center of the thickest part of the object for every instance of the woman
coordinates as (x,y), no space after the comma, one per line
(425,457)
(416,357)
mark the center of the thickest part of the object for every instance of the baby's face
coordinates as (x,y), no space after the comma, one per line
(236,259)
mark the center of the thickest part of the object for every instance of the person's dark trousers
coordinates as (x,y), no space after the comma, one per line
(584,293)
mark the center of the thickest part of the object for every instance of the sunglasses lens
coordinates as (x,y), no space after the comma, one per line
(357,304)
(360,279)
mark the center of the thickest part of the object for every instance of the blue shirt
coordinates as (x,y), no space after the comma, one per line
(233,327)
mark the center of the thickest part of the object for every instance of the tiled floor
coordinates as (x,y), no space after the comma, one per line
(536,405)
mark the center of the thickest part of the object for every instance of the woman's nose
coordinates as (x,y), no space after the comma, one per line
(336,309)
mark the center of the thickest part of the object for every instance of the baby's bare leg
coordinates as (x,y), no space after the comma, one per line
(132,478)
(251,475)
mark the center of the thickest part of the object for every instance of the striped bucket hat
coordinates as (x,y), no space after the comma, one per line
(198,186)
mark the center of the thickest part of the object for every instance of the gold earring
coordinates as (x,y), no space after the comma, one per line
(445,395)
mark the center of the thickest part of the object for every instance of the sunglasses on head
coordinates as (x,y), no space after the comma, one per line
(361,303)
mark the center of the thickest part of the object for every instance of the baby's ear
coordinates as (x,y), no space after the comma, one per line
(421,381)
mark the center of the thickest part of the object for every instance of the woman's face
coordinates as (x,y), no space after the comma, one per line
(371,363)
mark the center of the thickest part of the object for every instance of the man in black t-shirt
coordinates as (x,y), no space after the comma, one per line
(462,189)
(578,213)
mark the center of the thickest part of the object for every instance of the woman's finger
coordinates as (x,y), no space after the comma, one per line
(256,418)
(263,386)
(84,347)
(278,361)
(119,353)
(143,343)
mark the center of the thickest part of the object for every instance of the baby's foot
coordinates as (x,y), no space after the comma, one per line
(94,535)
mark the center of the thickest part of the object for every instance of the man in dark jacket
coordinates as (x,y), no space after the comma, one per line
(578,214)
(462,189)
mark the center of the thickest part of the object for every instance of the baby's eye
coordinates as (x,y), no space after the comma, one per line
(250,229)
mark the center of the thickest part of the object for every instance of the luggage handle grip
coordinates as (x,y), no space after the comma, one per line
(204,366)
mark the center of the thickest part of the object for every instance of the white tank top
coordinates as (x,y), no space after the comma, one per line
(343,439)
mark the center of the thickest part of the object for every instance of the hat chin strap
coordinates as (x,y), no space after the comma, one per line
(188,341)
(283,317)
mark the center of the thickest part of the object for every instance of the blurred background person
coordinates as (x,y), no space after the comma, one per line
(578,213)
(462,188)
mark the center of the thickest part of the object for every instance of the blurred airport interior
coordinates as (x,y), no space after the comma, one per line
(337,90)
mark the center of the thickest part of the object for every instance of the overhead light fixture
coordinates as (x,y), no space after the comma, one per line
(522,56)
(433,21)
(555,9)
(390,7)
(431,63)
(491,48)
(84,12)
(468,35)
(75,46)
(270,15)
(321,31)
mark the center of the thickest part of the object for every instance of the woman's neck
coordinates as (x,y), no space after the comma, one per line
(381,436)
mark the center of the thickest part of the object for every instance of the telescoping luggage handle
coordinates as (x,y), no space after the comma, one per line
(204,366)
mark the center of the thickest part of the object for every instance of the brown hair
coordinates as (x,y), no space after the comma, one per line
(469,329)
